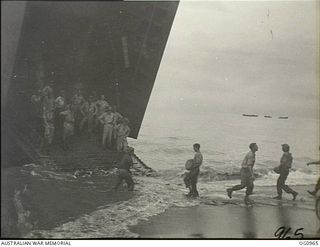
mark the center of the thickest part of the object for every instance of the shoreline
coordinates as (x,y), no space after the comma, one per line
(44,204)
(228,222)
(78,207)
(216,218)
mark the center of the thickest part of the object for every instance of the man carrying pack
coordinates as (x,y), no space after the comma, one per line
(191,178)
(317,187)
(285,165)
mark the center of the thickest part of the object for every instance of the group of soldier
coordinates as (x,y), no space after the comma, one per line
(246,173)
(58,118)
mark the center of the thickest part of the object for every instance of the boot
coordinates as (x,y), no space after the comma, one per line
(313,193)
(229,192)
(294,195)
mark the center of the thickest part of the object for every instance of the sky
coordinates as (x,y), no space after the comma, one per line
(240,57)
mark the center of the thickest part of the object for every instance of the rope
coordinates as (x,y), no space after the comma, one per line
(142,163)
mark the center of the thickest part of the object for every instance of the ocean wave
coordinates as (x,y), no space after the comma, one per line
(154,196)
(296,177)
(301,176)
(177,138)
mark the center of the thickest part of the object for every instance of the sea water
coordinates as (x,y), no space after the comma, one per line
(224,139)
(165,143)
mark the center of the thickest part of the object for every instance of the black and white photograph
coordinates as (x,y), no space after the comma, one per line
(160,120)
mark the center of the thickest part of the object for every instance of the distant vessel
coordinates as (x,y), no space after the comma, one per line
(249,115)
(267,116)
(283,117)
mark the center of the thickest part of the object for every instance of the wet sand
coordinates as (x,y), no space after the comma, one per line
(45,199)
(47,194)
(232,219)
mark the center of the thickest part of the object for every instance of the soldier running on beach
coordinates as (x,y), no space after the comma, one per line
(123,172)
(246,173)
(285,165)
(191,178)
(317,187)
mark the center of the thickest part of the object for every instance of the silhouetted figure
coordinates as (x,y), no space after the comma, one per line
(317,187)
(285,165)
(117,116)
(89,111)
(117,120)
(36,117)
(246,173)
(191,178)
(122,131)
(123,172)
(60,103)
(107,120)
(68,126)
(48,119)
(102,104)
(76,103)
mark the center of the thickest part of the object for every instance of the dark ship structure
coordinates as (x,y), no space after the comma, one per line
(111,47)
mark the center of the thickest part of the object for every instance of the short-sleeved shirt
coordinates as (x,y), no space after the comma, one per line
(102,104)
(122,130)
(286,160)
(60,101)
(92,108)
(117,117)
(69,118)
(48,104)
(107,118)
(89,108)
(85,108)
(77,99)
(126,162)
(197,161)
(249,160)
(198,158)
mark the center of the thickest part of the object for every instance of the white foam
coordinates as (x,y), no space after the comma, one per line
(295,178)
(154,196)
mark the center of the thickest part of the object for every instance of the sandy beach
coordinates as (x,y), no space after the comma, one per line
(39,197)
(223,218)
(232,85)
(47,204)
